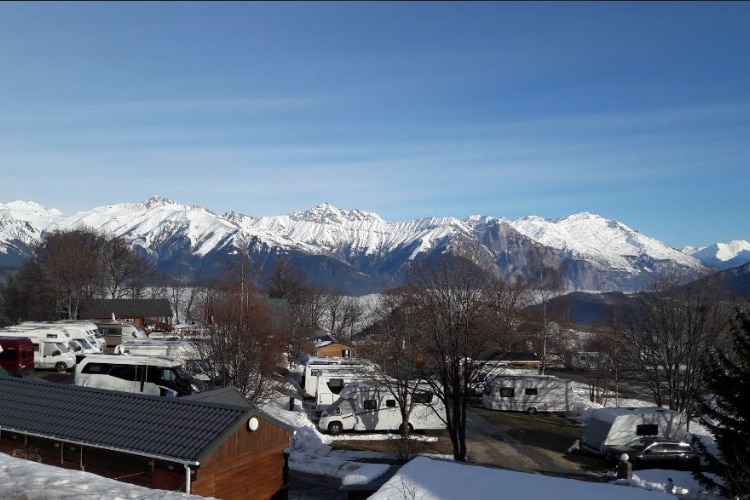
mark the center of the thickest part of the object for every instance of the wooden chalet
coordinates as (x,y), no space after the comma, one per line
(214,444)
(140,311)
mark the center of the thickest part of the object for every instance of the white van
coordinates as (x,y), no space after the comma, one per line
(155,375)
(372,407)
(49,354)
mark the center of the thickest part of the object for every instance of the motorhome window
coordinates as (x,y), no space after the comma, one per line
(336,385)
(390,403)
(507,392)
(36,347)
(531,391)
(370,404)
(421,397)
(125,372)
(96,368)
(646,430)
(314,373)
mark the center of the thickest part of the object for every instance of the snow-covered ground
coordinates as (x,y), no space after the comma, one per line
(427,478)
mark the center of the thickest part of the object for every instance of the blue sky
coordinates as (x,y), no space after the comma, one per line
(636,111)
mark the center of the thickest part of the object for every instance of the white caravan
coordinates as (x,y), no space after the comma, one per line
(529,393)
(329,383)
(49,354)
(372,407)
(155,375)
(619,425)
(314,366)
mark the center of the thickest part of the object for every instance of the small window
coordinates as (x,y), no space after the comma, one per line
(390,403)
(370,404)
(336,385)
(531,391)
(95,368)
(314,373)
(507,392)
(646,430)
(422,397)
(125,372)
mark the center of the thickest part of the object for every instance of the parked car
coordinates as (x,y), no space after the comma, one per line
(656,453)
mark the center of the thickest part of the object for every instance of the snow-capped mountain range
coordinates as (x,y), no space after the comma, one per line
(359,252)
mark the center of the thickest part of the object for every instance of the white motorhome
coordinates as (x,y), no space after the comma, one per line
(86,341)
(155,375)
(329,383)
(118,332)
(528,393)
(373,407)
(92,331)
(619,425)
(49,354)
(314,366)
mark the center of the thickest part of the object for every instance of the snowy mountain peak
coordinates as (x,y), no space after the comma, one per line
(327,213)
(722,255)
(157,200)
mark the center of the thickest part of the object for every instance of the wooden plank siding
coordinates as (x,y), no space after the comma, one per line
(245,465)
(247,477)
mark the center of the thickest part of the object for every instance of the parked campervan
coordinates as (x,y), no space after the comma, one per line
(84,343)
(89,326)
(51,348)
(17,355)
(117,332)
(368,406)
(314,366)
(529,393)
(183,351)
(328,386)
(155,375)
(619,425)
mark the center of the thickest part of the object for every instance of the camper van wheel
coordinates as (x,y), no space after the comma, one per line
(335,428)
(532,411)
(61,367)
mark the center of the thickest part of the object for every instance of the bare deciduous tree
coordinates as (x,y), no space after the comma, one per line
(452,321)
(239,338)
(668,334)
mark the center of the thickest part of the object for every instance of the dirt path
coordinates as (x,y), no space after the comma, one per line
(526,442)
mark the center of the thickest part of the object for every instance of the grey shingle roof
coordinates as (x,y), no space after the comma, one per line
(181,429)
(124,308)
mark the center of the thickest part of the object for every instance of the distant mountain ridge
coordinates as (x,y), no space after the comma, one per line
(357,251)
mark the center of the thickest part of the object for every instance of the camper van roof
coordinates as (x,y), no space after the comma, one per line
(131,358)
(610,414)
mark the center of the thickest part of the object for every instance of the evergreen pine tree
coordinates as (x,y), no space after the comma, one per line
(726,413)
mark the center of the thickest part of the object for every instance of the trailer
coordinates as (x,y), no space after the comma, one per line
(619,425)
(373,407)
(528,393)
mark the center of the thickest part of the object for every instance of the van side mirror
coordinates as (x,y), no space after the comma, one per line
(56,352)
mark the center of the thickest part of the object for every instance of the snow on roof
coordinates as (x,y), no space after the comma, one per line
(609,414)
(433,479)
